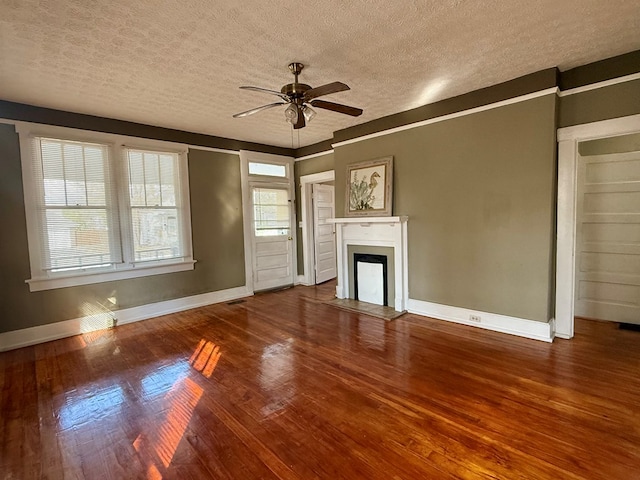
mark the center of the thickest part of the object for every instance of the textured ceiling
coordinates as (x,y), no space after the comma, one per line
(179,64)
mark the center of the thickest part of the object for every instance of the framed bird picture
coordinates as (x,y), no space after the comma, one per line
(369,188)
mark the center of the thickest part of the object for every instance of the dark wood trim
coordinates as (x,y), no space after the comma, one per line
(595,72)
(319,147)
(49,116)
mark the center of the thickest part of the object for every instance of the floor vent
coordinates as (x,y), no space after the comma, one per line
(630,326)
(235,302)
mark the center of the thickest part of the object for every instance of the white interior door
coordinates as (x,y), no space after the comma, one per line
(271,236)
(608,238)
(324,233)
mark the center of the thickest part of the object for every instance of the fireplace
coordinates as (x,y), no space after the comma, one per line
(379,236)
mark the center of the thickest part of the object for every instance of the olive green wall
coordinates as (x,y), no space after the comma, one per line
(480,194)
(323,163)
(614,101)
(216,212)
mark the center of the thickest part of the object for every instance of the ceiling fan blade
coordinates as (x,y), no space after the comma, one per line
(325,90)
(266,90)
(258,109)
(337,107)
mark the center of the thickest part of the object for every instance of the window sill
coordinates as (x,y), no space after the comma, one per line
(61,281)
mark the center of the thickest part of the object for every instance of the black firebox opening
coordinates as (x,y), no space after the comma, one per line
(370,258)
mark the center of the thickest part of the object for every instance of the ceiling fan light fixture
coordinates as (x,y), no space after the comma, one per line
(291,114)
(308,113)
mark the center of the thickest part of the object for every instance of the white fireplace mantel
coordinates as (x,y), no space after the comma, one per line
(377,232)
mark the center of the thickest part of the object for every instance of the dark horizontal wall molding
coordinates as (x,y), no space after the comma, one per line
(531,83)
(600,71)
(319,147)
(31,113)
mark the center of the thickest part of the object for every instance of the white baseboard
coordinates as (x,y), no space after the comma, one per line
(302,280)
(102,320)
(491,321)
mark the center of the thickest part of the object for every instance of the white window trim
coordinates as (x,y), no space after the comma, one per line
(117,143)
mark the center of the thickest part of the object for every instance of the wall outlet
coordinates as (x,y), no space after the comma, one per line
(475,318)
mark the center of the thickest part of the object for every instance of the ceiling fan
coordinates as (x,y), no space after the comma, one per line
(299,97)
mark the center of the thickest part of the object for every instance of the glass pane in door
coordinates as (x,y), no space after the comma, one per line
(271,214)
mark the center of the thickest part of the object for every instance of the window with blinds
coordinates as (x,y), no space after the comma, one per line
(77,214)
(153,194)
(100,211)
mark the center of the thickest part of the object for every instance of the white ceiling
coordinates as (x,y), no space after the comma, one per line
(179,63)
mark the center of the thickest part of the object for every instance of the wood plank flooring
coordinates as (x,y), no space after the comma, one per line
(284,386)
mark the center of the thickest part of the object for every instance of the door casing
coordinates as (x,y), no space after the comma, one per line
(247,156)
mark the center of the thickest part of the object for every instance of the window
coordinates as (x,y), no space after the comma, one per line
(100,211)
(154,208)
(76,214)
(267,169)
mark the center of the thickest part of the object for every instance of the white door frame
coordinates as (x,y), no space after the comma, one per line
(245,179)
(568,154)
(306,208)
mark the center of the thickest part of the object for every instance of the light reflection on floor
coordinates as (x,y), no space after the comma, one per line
(162,441)
(158,442)
(92,406)
(163,378)
(276,376)
(205,357)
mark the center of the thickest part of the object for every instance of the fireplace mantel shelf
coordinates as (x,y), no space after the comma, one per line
(366,220)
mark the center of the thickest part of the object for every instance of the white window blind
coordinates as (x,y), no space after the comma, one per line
(77,218)
(154,196)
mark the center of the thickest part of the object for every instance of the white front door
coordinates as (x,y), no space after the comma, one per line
(608,238)
(271,236)
(324,233)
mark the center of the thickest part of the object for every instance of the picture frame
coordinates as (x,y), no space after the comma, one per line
(369,191)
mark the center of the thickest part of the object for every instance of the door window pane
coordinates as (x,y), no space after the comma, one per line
(271,212)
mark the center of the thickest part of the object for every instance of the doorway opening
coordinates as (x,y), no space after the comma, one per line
(318,237)
(570,141)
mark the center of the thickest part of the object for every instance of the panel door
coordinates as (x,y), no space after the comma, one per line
(272,241)
(608,238)
(324,233)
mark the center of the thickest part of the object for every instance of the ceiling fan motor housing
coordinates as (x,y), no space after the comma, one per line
(295,91)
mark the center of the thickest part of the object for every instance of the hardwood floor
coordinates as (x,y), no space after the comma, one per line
(285,386)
